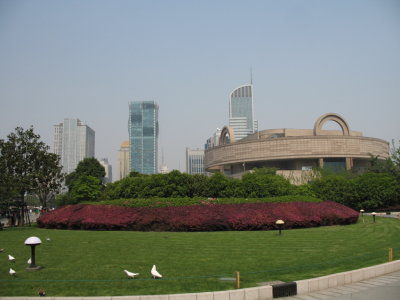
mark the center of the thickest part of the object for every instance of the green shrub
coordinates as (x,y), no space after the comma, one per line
(167,202)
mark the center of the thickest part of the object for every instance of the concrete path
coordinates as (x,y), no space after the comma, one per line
(386,287)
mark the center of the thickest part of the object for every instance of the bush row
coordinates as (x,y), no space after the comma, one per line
(211,217)
(368,191)
(259,184)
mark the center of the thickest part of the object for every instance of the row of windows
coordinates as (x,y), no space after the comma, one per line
(244,91)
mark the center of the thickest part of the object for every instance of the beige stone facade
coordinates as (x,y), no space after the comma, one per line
(123,159)
(295,149)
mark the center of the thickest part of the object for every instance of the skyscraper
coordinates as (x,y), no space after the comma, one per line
(143,136)
(73,141)
(108,169)
(123,158)
(195,161)
(241,115)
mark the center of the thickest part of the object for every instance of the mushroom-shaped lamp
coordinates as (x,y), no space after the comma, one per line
(280,223)
(33,241)
(373,215)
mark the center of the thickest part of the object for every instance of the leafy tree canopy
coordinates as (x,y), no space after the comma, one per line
(87,167)
(27,168)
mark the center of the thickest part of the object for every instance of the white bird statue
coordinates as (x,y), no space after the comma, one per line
(12,272)
(11,258)
(154,272)
(130,274)
(29,261)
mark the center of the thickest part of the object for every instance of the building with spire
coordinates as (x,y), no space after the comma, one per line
(241,114)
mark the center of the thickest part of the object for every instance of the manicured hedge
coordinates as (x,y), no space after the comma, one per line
(211,217)
(165,202)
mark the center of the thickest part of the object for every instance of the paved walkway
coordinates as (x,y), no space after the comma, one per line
(386,287)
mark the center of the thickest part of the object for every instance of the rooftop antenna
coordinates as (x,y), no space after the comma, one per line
(251,75)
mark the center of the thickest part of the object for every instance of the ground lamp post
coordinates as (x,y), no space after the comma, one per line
(373,215)
(33,241)
(362,214)
(280,223)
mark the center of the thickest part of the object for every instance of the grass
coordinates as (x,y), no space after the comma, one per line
(91,263)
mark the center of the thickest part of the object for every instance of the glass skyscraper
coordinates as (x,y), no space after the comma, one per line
(241,117)
(143,136)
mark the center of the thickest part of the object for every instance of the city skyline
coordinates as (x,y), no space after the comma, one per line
(88,60)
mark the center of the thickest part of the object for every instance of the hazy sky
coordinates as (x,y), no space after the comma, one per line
(88,59)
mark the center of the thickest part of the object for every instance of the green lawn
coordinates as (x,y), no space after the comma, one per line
(91,263)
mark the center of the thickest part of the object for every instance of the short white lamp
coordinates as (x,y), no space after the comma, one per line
(373,215)
(362,214)
(280,223)
(33,241)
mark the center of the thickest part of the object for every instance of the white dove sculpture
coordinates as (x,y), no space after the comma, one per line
(130,274)
(29,261)
(154,272)
(11,258)
(12,272)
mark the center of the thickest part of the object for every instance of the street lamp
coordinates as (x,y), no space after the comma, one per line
(280,223)
(33,241)
(373,215)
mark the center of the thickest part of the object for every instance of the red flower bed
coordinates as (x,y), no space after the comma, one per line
(212,217)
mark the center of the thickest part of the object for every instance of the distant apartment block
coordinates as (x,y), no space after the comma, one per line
(123,159)
(143,137)
(108,169)
(195,161)
(73,141)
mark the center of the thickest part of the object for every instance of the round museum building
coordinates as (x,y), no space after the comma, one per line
(295,152)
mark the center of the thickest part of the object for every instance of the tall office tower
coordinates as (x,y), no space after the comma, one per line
(241,117)
(108,169)
(195,161)
(73,141)
(143,136)
(123,159)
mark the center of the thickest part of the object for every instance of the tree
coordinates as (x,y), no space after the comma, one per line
(26,167)
(265,183)
(49,177)
(85,188)
(89,166)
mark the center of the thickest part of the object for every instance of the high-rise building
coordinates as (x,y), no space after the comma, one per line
(195,161)
(108,169)
(73,141)
(123,159)
(143,137)
(241,115)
